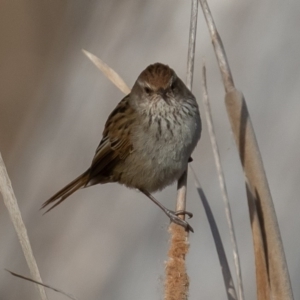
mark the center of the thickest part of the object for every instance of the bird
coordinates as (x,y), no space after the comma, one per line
(147,140)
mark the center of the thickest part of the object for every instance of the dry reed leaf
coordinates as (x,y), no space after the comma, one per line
(42,284)
(254,170)
(108,72)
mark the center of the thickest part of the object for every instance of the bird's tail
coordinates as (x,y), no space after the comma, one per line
(68,190)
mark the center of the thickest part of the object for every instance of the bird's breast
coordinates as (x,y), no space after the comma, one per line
(162,146)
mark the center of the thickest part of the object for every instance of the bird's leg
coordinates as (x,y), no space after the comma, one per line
(173,215)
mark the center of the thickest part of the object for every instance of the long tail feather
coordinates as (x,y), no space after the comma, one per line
(69,189)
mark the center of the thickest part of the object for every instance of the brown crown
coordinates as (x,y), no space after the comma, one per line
(157,75)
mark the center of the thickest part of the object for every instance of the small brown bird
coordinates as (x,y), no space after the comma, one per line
(147,140)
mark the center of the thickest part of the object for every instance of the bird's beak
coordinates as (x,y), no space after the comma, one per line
(163,93)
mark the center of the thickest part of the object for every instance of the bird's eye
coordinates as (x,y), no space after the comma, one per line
(147,90)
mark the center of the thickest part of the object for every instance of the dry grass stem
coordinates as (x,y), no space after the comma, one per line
(177,280)
(11,204)
(109,73)
(182,182)
(192,44)
(228,281)
(176,283)
(222,183)
(218,46)
(42,284)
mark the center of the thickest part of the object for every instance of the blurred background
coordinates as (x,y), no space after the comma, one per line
(109,242)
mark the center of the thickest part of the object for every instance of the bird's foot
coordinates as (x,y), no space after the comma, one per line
(173,215)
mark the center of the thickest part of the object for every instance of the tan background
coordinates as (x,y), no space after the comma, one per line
(108,242)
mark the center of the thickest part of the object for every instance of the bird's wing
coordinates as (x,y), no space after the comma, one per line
(115,145)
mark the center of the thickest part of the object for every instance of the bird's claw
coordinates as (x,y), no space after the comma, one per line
(183,212)
(174,218)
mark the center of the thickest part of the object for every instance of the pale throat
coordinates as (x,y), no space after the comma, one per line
(158,107)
